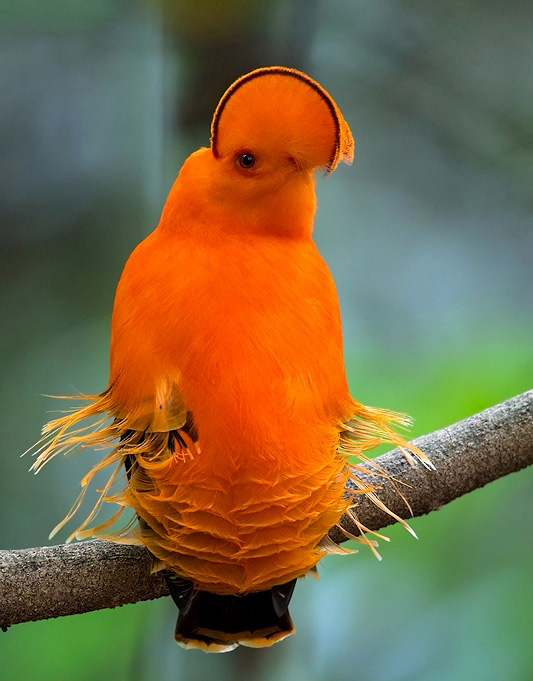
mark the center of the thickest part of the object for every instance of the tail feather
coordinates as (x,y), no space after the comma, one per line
(218,623)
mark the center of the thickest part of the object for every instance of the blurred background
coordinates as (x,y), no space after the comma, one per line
(428,236)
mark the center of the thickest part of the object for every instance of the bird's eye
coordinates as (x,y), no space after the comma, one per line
(246,160)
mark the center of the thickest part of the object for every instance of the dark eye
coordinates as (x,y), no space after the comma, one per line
(246,160)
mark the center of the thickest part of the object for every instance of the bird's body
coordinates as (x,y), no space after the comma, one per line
(267,407)
(227,386)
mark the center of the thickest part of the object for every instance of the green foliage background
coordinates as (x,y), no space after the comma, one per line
(429,239)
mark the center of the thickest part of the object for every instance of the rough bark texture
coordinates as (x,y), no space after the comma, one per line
(63,580)
(467,455)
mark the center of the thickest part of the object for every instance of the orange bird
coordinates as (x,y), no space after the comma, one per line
(227,390)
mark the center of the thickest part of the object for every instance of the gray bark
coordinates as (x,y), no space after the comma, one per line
(52,581)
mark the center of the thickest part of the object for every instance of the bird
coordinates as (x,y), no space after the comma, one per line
(228,420)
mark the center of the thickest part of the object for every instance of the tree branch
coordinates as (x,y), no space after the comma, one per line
(52,581)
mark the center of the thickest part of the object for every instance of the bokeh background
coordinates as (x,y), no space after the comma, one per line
(429,238)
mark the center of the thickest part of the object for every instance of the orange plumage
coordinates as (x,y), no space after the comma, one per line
(227,387)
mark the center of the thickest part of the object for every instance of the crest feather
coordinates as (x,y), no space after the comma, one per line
(283,108)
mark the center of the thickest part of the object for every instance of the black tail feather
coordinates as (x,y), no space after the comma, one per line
(218,623)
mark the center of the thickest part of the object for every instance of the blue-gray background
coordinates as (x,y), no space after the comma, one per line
(428,236)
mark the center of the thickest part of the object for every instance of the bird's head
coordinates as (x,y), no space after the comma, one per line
(271,130)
